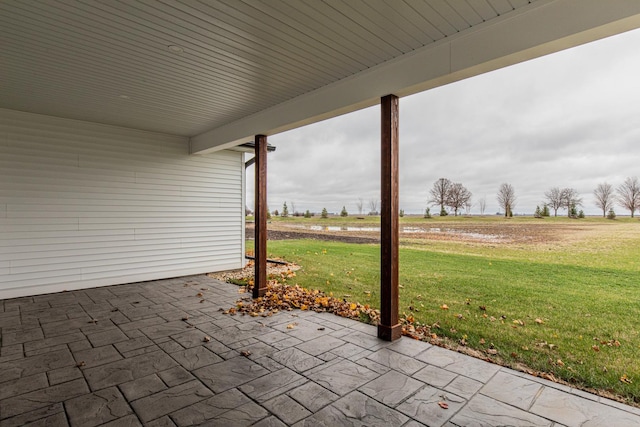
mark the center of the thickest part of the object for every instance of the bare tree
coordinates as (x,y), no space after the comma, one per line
(629,194)
(604,197)
(373,207)
(439,193)
(507,198)
(467,207)
(554,199)
(360,205)
(482,204)
(293,209)
(457,197)
(571,200)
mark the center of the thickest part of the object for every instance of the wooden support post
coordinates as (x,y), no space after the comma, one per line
(389,328)
(260,276)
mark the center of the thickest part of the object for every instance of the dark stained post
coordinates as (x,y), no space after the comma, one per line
(260,275)
(389,328)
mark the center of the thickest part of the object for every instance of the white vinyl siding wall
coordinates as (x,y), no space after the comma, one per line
(85,205)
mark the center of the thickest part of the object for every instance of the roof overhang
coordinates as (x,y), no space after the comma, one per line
(534,31)
(221,72)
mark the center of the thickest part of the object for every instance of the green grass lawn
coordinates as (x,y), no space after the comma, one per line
(585,293)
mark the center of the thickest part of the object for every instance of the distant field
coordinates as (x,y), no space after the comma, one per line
(579,278)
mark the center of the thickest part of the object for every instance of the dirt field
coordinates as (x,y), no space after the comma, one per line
(489,232)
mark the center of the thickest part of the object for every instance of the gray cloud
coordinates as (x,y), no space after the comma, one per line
(571,119)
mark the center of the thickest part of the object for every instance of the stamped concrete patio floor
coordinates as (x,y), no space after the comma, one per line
(123,356)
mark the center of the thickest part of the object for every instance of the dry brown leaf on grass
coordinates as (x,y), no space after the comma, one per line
(625,379)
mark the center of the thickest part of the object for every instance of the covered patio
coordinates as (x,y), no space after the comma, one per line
(120,170)
(163,353)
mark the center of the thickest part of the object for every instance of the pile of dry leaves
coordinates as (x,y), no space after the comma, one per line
(283,297)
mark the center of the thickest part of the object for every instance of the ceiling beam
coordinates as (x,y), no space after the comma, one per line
(543,27)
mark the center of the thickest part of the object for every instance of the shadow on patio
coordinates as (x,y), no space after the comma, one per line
(162,353)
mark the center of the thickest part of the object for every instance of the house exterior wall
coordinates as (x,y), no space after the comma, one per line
(86,205)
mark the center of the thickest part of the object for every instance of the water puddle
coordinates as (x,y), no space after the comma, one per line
(408,229)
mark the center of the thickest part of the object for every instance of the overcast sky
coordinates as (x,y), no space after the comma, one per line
(571,119)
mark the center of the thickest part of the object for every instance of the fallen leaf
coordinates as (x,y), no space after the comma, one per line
(185,318)
(626,379)
(443,405)
(492,351)
(539,321)
(80,364)
(595,348)
(321,329)
(206,339)
(245,353)
(291,325)
(200,294)
(560,362)
(444,307)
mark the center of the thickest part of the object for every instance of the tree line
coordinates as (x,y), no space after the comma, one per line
(455,196)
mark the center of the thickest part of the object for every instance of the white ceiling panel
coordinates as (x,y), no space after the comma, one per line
(109,61)
(213,69)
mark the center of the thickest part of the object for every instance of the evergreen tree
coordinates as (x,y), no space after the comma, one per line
(538,212)
(611,214)
(344,212)
(443,212)
(581,214)
(324,213)
(401,213)
(307,214)
(285,210)
(427,213)
(573,212)
(545,210)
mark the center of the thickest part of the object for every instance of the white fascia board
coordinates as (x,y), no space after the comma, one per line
(541,28)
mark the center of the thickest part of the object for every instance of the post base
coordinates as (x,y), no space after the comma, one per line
(259,292)
(389,333)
